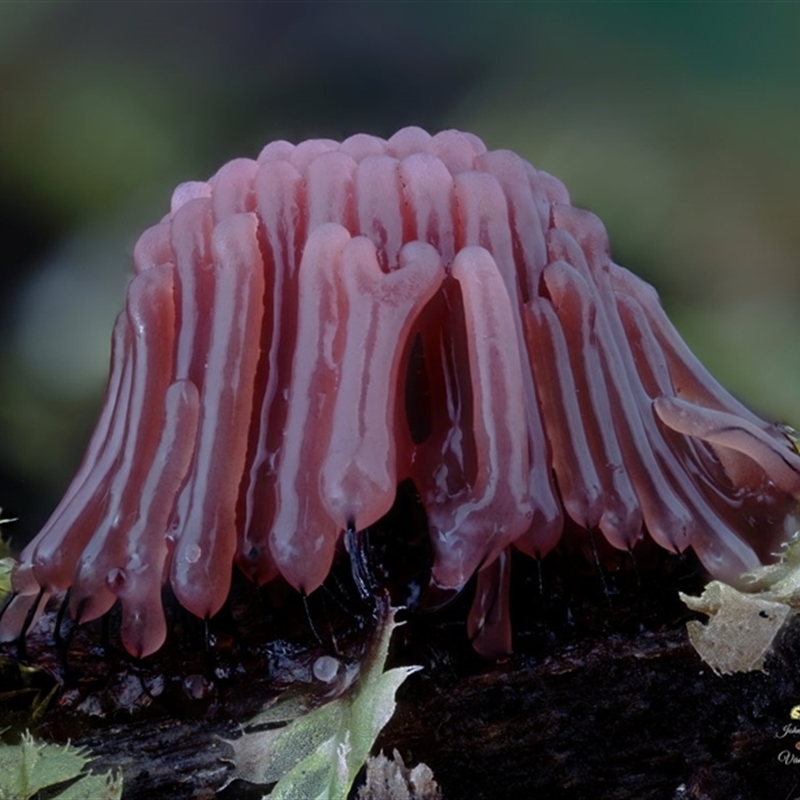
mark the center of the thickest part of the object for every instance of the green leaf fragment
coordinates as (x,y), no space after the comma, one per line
(319,753)
(743,622)
(94,787)
(28,767)
(740,630)
(6,565)
(6,561)
(301,739)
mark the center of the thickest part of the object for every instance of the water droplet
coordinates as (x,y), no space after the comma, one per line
(325,668)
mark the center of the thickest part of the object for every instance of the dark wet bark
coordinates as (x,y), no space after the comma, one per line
(619,718)
(599,702)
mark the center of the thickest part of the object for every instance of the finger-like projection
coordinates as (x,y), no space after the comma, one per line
(263,397)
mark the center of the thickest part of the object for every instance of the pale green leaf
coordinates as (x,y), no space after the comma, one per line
(744,621)
(319,753)
(740,629)
(6,565)
(6,561)
(301,738)
(28,767)
(94,787)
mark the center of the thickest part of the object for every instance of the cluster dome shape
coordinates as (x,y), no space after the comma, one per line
(306,330)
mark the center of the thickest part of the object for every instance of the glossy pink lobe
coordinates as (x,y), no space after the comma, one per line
(309,329)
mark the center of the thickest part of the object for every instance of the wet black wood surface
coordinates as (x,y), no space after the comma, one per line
(624,717)
(591,710)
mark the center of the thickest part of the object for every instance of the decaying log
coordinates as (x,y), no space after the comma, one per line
(585,710)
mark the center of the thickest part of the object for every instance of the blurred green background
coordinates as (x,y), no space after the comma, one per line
(677,123)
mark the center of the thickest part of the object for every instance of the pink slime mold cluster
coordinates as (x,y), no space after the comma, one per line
(306,330)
